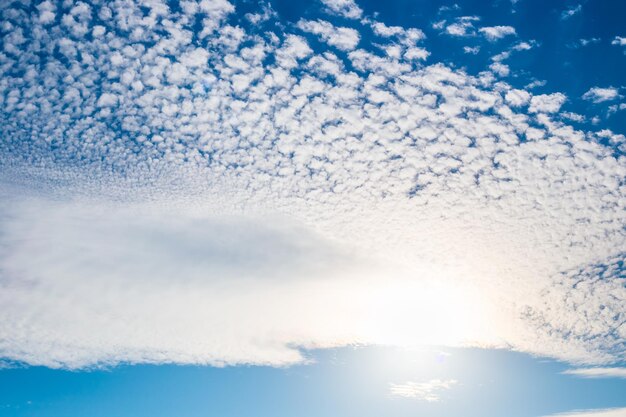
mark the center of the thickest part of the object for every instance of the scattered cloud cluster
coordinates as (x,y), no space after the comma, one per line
(178,186)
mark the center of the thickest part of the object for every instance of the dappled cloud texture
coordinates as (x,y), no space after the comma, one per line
(193,185)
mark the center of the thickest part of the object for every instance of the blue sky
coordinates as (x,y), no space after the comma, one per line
(205,205)
(347,381)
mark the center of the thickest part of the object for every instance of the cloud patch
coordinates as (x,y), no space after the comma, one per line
(345,8)
(600,95)
(572,11)
(494,33)
(424,391)
(345,39)
(462,27)
(547,103)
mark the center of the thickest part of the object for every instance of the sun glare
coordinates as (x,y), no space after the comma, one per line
(434,312)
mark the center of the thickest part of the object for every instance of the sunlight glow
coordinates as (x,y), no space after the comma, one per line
(434,312)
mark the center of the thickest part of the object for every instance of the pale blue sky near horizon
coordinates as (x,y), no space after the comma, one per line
(339,382)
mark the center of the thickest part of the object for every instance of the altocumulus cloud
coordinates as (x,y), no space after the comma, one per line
(179,186)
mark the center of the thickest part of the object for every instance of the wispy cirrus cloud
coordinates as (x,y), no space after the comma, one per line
(597,372)
(583,42)
(429,391)
(572,11)
(608,412)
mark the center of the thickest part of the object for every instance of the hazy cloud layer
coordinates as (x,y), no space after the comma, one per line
(187,187)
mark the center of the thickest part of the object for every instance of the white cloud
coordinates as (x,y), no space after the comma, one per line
(444,9)
(493,33)
(616,107)
(536,83)
(547,103)
(47,13)
(583,42)
(195,58)
(381,29)
(266,13)
(458,29)
(566,14)
(523,46)
(608,412)
(599,94)
(345,39)
(504,55)
(573,117)
(463,26)
(145,285)
(597,372)
(98,31)
(425,391)
(276,194)
(416,54)
(403,37)
(517,98)
(619,40)
(345,8)
(438,25)
(501,69)
(107,100)
(216,8)
(216,12)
